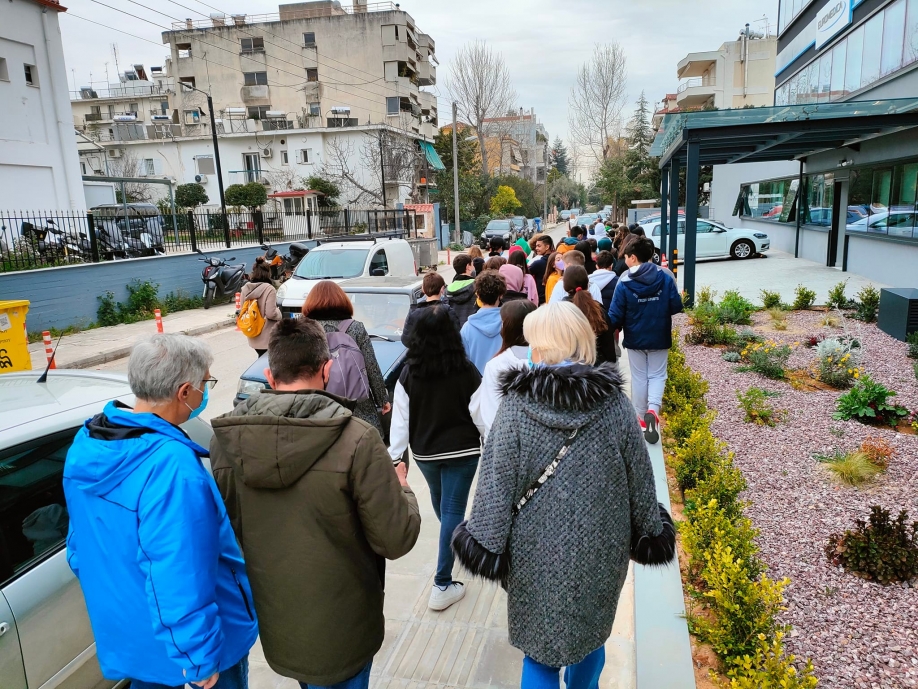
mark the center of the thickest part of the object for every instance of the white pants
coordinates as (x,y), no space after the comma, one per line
(648,378)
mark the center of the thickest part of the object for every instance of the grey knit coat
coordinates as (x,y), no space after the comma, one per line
(563,559)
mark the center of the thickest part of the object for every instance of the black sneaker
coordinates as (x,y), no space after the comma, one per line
(651,427)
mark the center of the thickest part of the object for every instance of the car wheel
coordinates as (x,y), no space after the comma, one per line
(742,249)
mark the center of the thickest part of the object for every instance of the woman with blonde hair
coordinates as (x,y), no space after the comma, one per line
(565,495)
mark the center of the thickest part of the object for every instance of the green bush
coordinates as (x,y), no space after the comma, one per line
(180,301)
(868,402)
(143,300)
(734,308)
(723,483)
(883,550)
(768,668)
(804,298)
(837,362)
(710,524)
(705,295)
(707,327)
(696,457)
(851,468)
(745,336)
(868,303)
(754,402)
(731,357)
(683,387)
(837,298)
(107,313)
(767,358)
(912,340)
(771,300)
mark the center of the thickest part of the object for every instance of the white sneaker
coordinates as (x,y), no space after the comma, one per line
(441,599)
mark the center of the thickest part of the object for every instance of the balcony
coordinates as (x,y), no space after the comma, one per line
(125,91)
(696,93)
(400,52)
(247,176)
(427,73)
(253,93)
(696,64)
(93,117)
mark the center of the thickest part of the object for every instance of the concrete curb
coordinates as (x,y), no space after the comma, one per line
(121,352)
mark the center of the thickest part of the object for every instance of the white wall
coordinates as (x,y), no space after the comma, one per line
(39,167)
(727,181)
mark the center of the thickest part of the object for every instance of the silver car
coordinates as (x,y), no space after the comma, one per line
(45,637)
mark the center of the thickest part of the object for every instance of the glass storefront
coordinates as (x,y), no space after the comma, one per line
(788,10)
(882,45)
(881,200)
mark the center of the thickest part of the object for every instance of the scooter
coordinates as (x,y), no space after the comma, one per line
(282,266)
(47,241)
(221,279)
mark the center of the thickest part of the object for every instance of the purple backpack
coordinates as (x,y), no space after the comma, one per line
(348,376)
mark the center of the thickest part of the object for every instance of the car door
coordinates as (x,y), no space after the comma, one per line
(12,671)
(711,241)
(379,262)
(44,597)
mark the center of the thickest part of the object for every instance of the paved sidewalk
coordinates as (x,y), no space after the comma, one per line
(90,348)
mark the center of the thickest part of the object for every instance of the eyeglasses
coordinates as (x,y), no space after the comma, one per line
(209,383)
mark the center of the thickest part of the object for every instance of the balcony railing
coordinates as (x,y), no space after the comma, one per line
(243,19)
(696,81)
(93,117)
(124,91)
(246,176)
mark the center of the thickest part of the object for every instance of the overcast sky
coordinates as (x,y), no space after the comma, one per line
(543,41)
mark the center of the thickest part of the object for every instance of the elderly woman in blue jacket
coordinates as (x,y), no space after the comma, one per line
(149,538)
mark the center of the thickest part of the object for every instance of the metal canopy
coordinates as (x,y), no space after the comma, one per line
(778,133)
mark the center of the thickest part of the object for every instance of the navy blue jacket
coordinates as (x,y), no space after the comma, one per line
(643,306)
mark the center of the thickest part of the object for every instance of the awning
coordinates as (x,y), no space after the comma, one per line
(433,157)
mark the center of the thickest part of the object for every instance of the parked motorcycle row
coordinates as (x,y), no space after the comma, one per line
(222,280)
(116,239)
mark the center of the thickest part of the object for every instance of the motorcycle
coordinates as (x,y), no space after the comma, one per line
(221,279)
(282,266)
(139,240)
(48,241)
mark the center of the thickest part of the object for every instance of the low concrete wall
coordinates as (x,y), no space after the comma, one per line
(813,242)
(885,260)
(68,295)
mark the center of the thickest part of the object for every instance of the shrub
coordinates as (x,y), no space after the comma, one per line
(180,301)
(837,361)
(771,300)
(742,608)
(747,335)
(755,403)
(776,314)
(731,357)
(804,298)
(829,321)
(767,358)
(711,524)
(779,324)
(912,340)
(878,451)
(868,302)
(685,421)
(107,313)
(837,298)
(734,308)
(883,550)
(723,483)
(143,300)
(684,387)
(915,369)
(707,328)
(851,468)
(696,457)
(768,668)
(705,295)
(867,402)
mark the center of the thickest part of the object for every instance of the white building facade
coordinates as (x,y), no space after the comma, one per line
(39,164)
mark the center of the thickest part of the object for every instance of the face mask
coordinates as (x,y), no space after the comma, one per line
(197,412)
(559,265)
(529,358)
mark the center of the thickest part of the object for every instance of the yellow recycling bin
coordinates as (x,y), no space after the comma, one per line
(14,343)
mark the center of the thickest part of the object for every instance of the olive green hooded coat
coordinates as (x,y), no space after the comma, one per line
(317,507)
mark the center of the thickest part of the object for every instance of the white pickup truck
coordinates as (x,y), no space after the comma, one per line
(344,259)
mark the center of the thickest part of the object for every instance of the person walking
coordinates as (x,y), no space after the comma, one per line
(460,294)
(573,258)
(518,259)
(477,258)
(643,305)
(149,539)
(523,244)
(554,269)
(513,353)
(431,416)
(577,287)
(260,290)
(588,263)
(329,305)
(565,495)
(514,279)
(434,287)
(315,503)
(604,278)
(481,332)
(544,247)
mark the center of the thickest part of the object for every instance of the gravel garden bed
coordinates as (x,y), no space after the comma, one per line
(857,633)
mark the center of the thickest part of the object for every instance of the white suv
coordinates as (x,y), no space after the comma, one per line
(715,240)
(342,260)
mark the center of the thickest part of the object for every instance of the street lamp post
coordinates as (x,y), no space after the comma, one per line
(213,131)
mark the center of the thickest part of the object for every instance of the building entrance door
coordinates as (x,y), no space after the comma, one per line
(835,232)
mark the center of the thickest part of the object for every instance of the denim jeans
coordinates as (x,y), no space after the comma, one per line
(450,481)
(236,677)
(359,681)
(583,675)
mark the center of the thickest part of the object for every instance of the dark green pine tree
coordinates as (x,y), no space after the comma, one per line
(558,156)
(640,168)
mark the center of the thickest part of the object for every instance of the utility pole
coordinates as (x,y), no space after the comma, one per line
(213,132)
(456,235)
(545,202)
(382,169)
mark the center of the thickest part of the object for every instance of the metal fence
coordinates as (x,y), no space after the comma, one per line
(34,239)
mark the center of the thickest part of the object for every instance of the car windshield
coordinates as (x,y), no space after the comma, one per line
(382,315)
(520,219)
(498,226)
(332,264)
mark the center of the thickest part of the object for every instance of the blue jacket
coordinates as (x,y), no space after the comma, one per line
(151,544)
(643,305)
(481,336)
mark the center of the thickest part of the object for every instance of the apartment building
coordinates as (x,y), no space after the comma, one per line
(738,74)
(516,145)
(310,65)
(38,154)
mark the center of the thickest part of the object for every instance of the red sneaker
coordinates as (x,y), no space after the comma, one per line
(643,425)
(651,424)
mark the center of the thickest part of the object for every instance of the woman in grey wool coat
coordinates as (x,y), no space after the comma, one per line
(563,553)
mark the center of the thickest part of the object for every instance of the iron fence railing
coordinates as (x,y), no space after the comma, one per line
(33,239)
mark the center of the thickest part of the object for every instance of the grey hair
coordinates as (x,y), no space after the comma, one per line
(161,364)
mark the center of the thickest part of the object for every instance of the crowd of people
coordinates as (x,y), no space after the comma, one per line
(511,375)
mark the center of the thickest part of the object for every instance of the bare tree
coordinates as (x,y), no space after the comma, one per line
(480,84)
(597,98)
(128,165)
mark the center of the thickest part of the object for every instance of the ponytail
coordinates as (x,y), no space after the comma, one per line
(592,309)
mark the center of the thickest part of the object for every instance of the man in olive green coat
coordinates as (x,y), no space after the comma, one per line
(317,507)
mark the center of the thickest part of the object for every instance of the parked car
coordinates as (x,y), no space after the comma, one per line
(564,215)
(505,229)
(523,227)
(382,305)
(715,240)
(342,259)
(45,636)
(894,223)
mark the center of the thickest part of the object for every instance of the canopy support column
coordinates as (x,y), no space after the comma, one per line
(674,217)
(664,212)
(799,213)
(692,167)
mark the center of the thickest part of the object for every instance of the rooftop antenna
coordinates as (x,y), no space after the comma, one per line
(115,55)
(767,25)
(44,376)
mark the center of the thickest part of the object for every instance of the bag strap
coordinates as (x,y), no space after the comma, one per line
(344,325)
(547,474)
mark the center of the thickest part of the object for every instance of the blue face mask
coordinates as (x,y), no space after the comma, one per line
(529,358)
(197,412)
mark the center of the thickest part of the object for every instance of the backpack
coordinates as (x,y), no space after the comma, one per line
(250,321)
(348,376)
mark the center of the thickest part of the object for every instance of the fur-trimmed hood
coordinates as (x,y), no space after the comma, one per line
(563,396)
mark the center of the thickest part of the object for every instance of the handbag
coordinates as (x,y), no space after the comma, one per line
(547,474)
